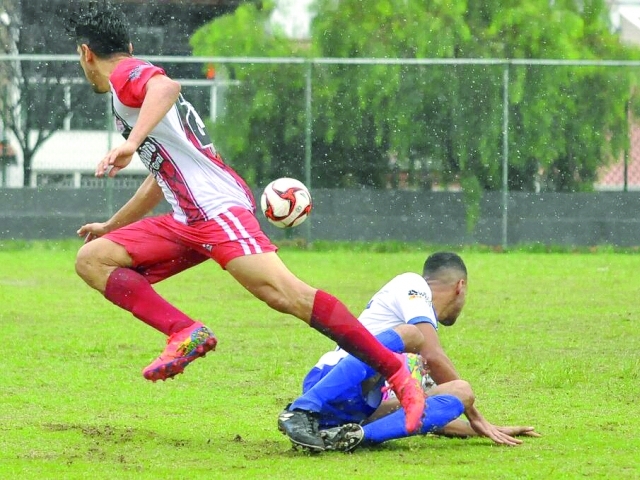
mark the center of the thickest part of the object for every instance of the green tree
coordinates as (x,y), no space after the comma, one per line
(368,110)
(563,121)
(262,132)
(566,121)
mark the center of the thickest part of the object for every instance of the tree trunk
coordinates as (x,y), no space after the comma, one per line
(26,168)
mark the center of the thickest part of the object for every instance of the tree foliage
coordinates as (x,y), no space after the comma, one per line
(262,132)
(564,122)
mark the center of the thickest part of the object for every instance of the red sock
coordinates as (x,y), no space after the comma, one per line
(131,291)
(332,318)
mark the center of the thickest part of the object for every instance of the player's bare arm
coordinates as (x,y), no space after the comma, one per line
(441,368)
(460,429)
(161,96)
(143,201)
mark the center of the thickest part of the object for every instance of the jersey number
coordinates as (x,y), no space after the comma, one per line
(193,121)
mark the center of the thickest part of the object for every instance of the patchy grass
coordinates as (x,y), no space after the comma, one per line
(549,340)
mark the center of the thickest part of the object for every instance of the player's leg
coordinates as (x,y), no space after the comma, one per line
(239,245)
(123,264)
(351,371)
(266,277)
(336,389)
(444,404)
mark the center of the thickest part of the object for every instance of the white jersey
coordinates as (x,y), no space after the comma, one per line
(178,152)
(407,298)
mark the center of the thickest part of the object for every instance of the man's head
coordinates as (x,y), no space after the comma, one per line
(446,274)
(101,35)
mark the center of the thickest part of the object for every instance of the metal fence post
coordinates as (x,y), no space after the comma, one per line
(5,141)
(505,155)
(308,140)
(627,148)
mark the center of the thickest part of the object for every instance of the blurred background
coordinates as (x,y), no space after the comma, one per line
(439,122)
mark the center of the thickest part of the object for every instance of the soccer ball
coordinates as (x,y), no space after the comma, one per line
(286,202)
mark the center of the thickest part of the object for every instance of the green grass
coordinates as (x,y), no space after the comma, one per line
(546,339)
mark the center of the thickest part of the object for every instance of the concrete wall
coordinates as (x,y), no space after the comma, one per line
(370,215)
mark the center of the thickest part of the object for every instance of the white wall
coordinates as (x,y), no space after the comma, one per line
(629,24)
(71,151)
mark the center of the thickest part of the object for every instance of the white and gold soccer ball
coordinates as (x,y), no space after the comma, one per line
(286,202)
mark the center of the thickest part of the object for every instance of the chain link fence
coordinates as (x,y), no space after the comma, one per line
(468,125)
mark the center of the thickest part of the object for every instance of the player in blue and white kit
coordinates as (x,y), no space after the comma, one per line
(340,391)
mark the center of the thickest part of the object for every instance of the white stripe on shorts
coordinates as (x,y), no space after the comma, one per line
(243,233)
(245,247)
(230,233)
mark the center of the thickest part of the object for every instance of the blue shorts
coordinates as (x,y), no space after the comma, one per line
(441,409)
(352,406)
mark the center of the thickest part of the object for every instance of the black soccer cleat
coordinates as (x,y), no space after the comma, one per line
(345,438)
(302,429)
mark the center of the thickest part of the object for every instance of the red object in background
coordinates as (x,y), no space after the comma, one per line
(611,177)
(9,153)
(211,72)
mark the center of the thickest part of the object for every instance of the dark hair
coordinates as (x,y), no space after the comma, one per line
(100,26)
(440,261)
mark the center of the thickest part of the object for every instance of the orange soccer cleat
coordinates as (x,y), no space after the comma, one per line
(183,347)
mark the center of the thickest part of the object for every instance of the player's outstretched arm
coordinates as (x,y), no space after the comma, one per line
(461,429)
(143,201)
(485,429)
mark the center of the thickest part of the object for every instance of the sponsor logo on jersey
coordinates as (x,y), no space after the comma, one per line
(135,72)
(150,156)
(415,294)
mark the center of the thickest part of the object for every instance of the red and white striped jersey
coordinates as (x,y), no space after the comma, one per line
(178,152)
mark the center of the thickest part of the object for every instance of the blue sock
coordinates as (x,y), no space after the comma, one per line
(348,373)
(439,410)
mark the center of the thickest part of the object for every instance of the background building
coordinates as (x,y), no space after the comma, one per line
(625,20)
(164,27)
(157,27)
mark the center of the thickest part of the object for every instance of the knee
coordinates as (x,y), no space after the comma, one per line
(86,261)
(462,389)
(95,261)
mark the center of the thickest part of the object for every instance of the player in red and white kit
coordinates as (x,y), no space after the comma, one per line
(213,217)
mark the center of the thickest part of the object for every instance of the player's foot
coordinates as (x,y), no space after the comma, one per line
(409,392)
(345,438)
(302,429)
(183,347)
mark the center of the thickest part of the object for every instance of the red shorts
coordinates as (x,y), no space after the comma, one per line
(161,247)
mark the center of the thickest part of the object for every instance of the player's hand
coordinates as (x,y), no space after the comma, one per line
(485,429)
(117,159)
(517,431)
(91,231)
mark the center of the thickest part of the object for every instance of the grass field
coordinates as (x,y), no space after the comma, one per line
(549,340)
